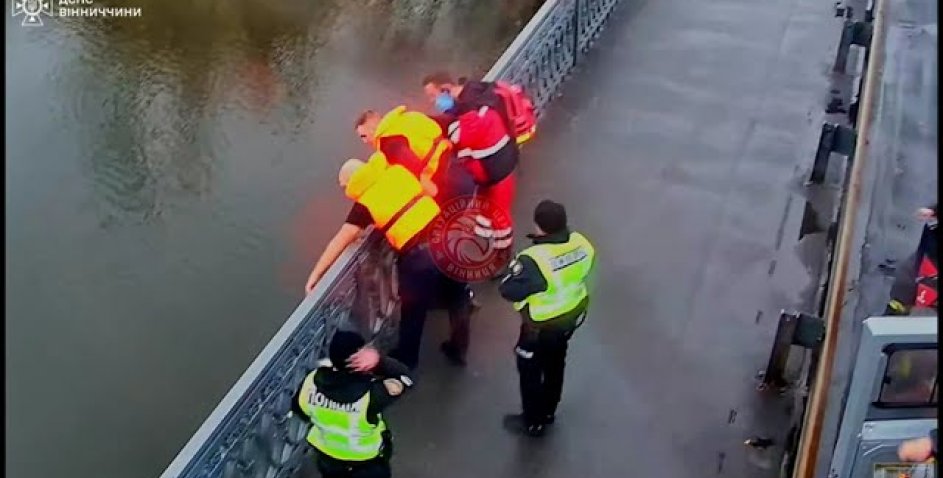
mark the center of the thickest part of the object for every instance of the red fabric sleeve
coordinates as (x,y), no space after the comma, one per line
(397,151)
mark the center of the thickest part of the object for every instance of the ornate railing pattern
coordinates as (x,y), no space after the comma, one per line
(251,433)
(544,53)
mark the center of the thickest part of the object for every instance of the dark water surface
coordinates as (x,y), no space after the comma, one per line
(170,180)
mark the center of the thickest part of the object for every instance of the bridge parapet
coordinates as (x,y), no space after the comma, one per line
(251,432)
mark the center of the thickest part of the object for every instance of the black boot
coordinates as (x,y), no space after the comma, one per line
(516,424)
(452,353)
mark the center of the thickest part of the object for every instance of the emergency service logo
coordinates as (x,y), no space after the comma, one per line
(32,11)
(470,240)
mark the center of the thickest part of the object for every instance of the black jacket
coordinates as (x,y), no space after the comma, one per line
(346,387)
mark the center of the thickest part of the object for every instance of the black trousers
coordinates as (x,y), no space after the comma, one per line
(422,286)
(541,360)
(332,468)
(378,467)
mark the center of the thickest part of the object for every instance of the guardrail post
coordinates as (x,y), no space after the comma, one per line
(822,153)
(834,139)
(576,31)
(804,330)
(853,33)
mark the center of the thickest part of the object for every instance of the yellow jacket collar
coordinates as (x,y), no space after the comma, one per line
(386,123)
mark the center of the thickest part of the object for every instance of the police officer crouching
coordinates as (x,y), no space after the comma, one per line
(344,399)
(547,284)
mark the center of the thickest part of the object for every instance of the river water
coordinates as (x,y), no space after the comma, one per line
(170,180)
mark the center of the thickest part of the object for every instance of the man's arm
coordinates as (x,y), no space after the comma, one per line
(345,236)
(918,450)
(523,279)
(394,378)
(397,151)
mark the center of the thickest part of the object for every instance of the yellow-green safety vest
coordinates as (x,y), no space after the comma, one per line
(565,267)
(340,430)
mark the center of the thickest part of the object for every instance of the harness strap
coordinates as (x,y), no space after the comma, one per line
(429,155)
(396,217)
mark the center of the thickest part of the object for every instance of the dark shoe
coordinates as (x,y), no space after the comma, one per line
(550,419)
(452,353)
(515,423)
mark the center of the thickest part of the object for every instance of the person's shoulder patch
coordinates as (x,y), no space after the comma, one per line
(516,267)
(393,386)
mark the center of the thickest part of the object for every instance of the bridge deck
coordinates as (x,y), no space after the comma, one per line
(679,149)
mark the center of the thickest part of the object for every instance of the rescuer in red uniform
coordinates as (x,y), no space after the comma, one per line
(477,124)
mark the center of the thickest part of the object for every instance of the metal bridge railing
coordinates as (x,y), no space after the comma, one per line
(251,433)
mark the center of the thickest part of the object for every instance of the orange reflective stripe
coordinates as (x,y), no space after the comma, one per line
(434,157)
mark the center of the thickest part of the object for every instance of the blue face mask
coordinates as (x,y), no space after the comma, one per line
(444,102)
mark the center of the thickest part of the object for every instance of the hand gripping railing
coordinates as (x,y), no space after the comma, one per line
(251,432)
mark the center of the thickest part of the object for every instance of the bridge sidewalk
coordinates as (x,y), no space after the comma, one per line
(679,149)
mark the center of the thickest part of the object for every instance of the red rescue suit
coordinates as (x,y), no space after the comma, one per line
(485,148)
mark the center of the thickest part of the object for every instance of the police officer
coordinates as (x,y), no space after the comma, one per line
(344,398)
(547,284)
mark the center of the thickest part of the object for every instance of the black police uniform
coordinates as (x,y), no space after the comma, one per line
(347,387)
(542,346)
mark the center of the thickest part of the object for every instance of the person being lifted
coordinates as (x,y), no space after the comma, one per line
(547,284)
(390,198)
(344,399)
(476,121)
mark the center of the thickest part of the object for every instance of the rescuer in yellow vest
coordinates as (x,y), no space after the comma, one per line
(344,398)
(415,141)
(547,283)
(390,198)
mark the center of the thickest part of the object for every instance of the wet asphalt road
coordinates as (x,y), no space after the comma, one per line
(680,149)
